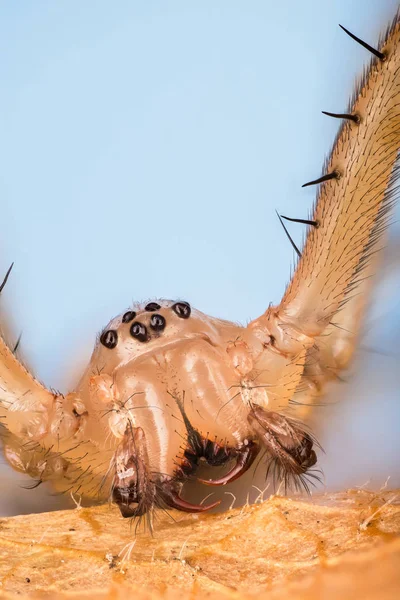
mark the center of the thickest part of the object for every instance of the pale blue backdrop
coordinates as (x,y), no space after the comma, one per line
(144,149)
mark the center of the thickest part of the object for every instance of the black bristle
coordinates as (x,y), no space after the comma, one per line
(333,175)
(6,277)
(304,221)
(295,248)
(374,51)
(347,116)
(17,343)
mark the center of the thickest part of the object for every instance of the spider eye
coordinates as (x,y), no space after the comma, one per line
(139,331)
(157,322)
(152,307)
(182,309)
(128,316)
(109,338)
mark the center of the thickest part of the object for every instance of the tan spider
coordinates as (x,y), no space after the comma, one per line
(168,386)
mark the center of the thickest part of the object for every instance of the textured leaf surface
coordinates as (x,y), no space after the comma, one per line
(344,545)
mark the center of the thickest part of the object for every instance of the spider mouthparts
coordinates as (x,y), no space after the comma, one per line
(131,510)
(133,490)
(246,457)
(284,439)
(172,499)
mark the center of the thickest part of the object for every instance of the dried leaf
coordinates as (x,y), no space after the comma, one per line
(343,545)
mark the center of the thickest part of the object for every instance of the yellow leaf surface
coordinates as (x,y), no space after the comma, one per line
(333,546)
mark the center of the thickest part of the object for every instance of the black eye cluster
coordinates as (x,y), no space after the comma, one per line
(109,338)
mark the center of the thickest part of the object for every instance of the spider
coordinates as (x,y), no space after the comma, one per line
(168,386)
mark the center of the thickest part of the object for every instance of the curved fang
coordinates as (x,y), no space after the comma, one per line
(246,457)
(175,501)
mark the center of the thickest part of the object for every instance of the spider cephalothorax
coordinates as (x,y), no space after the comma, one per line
(175,386)
(168,386)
